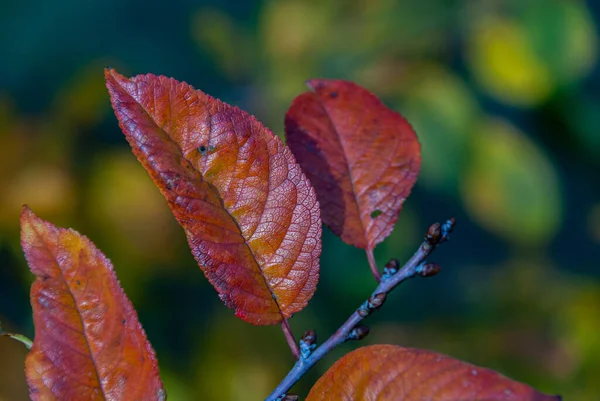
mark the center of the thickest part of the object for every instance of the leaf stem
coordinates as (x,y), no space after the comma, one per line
(414,266)
(373,264)
(289,337)
(19,337)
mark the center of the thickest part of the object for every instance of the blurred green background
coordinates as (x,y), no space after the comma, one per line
(505,98)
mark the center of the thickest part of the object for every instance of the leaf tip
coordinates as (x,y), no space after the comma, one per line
(326,88)
(34,232)
(28,220)
(315,83)
(109,71)
(26,212)
(113,78)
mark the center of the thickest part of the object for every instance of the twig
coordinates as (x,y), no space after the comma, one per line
(373,265)
(391,278)
(291,340)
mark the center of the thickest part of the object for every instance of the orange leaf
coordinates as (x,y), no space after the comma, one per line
(361,157)
(250,215)
(89,344)
(389,372)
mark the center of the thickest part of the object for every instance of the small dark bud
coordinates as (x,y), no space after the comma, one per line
(434,234)
(309,337)
(428,269)
(392,264)
(364,309)
(308,343)
(377,300)
(390,269)
(359,332)
(371,304)
(448,227)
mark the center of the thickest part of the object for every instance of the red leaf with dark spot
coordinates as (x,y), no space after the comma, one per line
(361,157)
(389,372)
(250,215)
(89,344)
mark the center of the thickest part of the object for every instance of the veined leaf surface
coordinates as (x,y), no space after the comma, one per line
(390,372)
(361,157)
(89,344)
(250,215)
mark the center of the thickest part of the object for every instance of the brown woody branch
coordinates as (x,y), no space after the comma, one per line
(351,330)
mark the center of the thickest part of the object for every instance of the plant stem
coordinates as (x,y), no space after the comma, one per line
(19,337)
(291,340)
(414,266)
(373,265)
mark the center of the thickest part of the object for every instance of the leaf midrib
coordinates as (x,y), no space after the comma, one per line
(348,166)
(79,314)
(233,219)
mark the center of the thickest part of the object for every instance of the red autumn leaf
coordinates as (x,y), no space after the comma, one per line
(89,344)
(249,213)
(389,372)
(361,157)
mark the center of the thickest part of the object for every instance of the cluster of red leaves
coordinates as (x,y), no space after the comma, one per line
(253,224)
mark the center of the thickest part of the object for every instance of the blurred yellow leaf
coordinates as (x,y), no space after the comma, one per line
(510,187)
(578,324)
(125,205)
(235,363)
(293,28)
(504,63)
(292,35)
(47,188)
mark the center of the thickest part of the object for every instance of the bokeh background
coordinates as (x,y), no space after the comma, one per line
(505,98)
